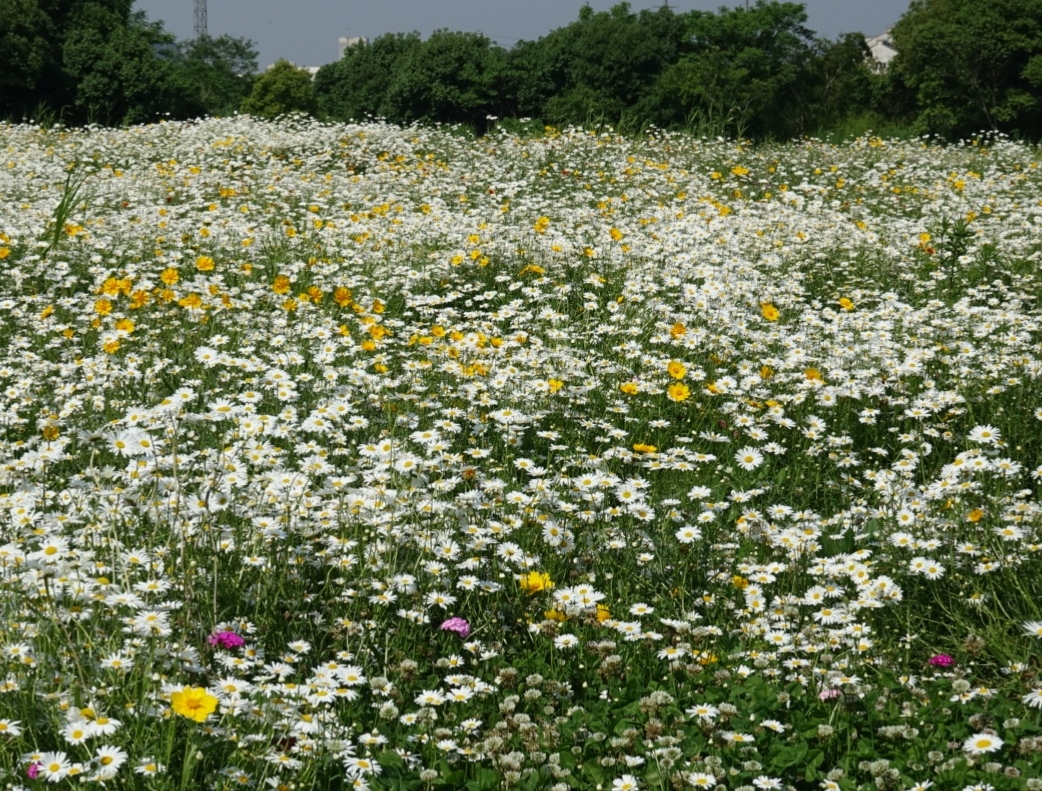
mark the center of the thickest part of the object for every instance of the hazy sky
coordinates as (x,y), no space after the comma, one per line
(306,31)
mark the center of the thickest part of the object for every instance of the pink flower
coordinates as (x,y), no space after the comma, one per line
(941,660)
(33,771)
(829,694)
(457,626)
(226,639)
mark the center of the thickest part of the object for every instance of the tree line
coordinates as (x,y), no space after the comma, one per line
(757,72)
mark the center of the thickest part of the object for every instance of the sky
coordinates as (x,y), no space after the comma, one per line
(306,31)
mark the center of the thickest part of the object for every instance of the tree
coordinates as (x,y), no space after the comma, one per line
(972,66)
(839,82)
(280,90)
(601,66)
(214,75)
(743,73)
(28,61)
(98,60)
(453,78)
(112,57)
(359,83)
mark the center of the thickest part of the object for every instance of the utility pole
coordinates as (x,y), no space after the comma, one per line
(200,19)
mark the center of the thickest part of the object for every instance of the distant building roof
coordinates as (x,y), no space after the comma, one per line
(882,49)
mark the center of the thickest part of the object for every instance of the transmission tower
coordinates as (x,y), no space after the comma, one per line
(200,19)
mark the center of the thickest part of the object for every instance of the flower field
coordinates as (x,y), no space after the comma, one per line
(347,457)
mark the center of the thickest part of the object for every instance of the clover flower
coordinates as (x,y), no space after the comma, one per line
(456,626)
(226,639)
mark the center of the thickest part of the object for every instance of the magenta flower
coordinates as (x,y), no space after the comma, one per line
(226,639)
(941,660)
(457,626)
(33,771)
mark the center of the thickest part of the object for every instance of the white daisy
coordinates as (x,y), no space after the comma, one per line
(981,743)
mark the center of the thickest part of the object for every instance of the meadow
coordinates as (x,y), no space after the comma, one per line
(369,457)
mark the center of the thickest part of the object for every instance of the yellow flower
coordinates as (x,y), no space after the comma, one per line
(769,311)
(535,581)
(602,613)
(169,276)
(846,303)
(678,391)
(813,375)
(639,447)
(766,372)
(616,234)
(204,263)
(629,388)
(281,285)
(125,325)
(195,703)
(533,269)
(739,170)
(676,369)
(103,307)
(975,515)
(4,252)
(677,329)
(555,615)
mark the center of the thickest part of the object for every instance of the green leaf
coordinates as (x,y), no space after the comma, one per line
(815,758)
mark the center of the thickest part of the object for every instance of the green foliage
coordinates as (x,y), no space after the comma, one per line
(112,60)
(100,61)
(452,78)
(27,60)
(602,66)
(972,66)
(749,72)
(840,81)
(744,74)
(357,85)
(215,75)
(281,90)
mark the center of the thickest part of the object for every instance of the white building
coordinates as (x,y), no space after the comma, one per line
(350,42)
(882,50)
